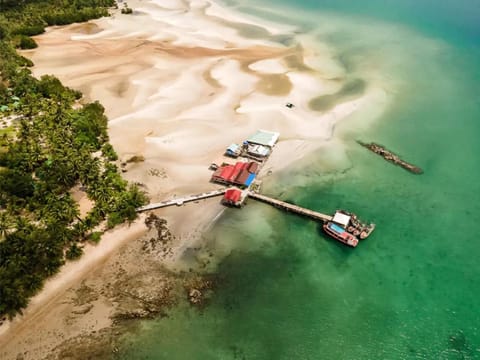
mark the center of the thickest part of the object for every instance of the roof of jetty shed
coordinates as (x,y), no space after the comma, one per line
(341,219)
(233,195)
(264,137)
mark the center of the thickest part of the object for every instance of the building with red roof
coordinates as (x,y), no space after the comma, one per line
(241,174)
(234,197)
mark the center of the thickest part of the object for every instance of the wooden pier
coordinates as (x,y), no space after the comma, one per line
(291,207)
(182,200)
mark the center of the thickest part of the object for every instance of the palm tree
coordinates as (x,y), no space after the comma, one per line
(6,224)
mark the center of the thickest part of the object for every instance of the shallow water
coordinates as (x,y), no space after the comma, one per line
(411,290)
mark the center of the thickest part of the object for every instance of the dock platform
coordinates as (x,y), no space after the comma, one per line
(314,215)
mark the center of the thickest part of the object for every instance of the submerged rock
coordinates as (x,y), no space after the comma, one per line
(195,296)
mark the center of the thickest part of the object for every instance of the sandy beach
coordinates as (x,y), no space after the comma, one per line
(179,81)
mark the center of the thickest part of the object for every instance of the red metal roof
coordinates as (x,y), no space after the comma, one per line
(253,167)
(227,172)
(232,195)
(242,177)
(237,173)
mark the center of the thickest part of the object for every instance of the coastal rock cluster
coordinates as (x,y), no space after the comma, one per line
(199,290)
(391,157)
(124,291)
(160,242)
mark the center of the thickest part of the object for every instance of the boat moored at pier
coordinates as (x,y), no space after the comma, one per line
(340,234)
(353,224)
(347,228)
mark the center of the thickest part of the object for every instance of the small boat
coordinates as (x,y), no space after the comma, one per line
(340,234)
(367,231)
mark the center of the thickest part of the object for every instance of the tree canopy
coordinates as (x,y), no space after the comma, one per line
(52,147)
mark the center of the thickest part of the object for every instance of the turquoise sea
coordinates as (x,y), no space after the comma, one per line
(412,290)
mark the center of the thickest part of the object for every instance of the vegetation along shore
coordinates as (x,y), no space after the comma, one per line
(50,142)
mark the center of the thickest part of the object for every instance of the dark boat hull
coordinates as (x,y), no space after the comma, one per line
(345,237)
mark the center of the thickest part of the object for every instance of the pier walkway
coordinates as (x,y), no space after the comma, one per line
(314,215)
(182,200)
(291,207)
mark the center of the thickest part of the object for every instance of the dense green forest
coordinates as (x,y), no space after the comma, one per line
(49,143)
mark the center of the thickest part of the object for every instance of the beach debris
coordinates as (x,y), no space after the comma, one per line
(82,310)
(289,105)
(391,157)
(161,173)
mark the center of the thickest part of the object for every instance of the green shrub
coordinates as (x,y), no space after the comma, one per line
(114,219)
(73,252)
(93,218)
(50,87)
(29,30)
(69,16)
(16,183)
(95,237)
(77,94)
(3,32)
(90,125)
(23,61)
(25,42)
(109,152)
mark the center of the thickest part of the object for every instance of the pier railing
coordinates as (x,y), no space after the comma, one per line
(314,215)
(291,207)
(182,200)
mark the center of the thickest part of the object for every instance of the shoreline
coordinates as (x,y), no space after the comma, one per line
(225,88)
(72,271)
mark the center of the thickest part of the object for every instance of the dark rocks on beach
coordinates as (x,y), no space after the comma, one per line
(84,295)
(136,286)
(96,346)
(161,242)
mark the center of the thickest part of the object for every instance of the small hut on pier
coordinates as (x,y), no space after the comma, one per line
(234,197)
